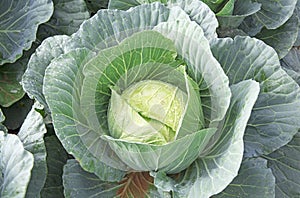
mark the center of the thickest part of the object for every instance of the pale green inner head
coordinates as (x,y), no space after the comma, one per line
(149,111)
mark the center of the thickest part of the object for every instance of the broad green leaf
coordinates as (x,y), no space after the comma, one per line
(32,80)
(285,166)
(255,179)
(31,134)
(210,174)
(214,90)
(227,9)
(79,183)
(106,34)
(171,158)
(275,116)
(10,76)
(272,15)
(242,9)
(15,165)
(200,13)
(283,38)
(95,5)
(18,26)
(66,19)
(291,64)
(16,113)
(56,159)
(195,9)
(62,88)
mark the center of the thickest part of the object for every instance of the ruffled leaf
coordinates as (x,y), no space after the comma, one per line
(242,9)
(291,64)
(272,15)
(214,90)
(31,134)
(66,19)
(10,76)
(32,80)
(285,166)
(18,27)
(255,179)
(15,166)
(275,117)
(283,38)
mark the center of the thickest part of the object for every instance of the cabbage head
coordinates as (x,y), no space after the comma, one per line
(153,95)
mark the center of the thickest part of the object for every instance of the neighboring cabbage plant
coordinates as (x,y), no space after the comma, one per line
(154,105)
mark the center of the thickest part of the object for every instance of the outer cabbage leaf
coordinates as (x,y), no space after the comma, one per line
(15,165)
(255,179)
(283,38)
(171,158)
(31,134)
(291,64)
(200,13)
(66,19)
(62,91)
(214,90)
(285,166)
(56,159)
(275,116)
(10,75)
(32,80)
(242,9)
(106,34)
(227,8)
(18,26)
(196,10)
(272,15)
(210,174)
(79,183)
